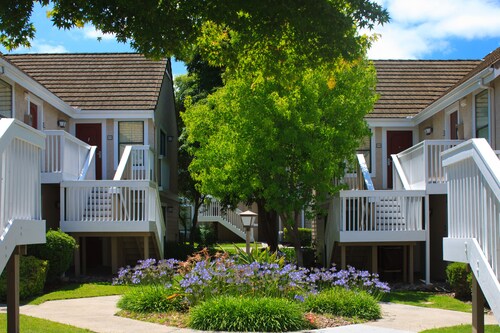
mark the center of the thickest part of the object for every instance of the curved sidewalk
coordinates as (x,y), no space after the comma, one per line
(97,314)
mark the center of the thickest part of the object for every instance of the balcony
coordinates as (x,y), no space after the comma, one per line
(66,158)
(420,167)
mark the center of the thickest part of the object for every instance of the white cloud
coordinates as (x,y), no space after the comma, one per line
(91,32)
(41,46)
(419,27)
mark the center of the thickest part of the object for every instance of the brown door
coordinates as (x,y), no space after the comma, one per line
(397,141)
(91,134)
(454,125)
(34,115)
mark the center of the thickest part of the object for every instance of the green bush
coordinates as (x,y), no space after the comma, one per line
(152,298)
(205,234)
(178,250)
(58,250)
(305,236)
(459,279)
(264,314)
(346,303)
(32,275)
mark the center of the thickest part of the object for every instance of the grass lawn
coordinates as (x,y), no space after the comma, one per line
(462,329)
(35,325)
(230,247)
(81,291)
(427,300)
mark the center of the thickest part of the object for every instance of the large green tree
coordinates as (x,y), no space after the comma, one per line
(219,30)
(281,139)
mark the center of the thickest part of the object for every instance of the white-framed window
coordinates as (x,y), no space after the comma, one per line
(5,100)
(482,115)
(130,133)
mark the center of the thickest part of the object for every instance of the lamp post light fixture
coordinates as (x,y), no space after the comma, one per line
(248,218)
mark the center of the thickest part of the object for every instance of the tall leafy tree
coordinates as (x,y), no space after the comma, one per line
(281,139)
(193,87)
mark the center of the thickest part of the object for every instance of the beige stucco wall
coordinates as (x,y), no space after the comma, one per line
(377,150)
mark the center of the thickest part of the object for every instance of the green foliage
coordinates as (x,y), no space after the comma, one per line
(32,275)
(58,250)
(343,302)
(427,300)
(462,329)
(459,278)
(248,315)
(69,291)
(36,325)
(258,255)
(206,235)
(152,298)
(305,236)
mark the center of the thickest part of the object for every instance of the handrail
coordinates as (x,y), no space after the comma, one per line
(399,173)
(365,172)
(123,163)
(136,163)
(88,171)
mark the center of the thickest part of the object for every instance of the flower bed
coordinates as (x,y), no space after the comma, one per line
(174,285)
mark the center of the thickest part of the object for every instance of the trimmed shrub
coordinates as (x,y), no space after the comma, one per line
(346,303)
(58,250)
(459,279)
(305,236)
(152,298)
(32,275)
(248,315)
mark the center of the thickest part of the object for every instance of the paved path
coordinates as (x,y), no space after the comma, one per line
(97,314)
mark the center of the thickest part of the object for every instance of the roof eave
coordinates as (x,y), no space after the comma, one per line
(476,82)
(23,79)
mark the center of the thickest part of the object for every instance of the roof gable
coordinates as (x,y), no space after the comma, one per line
(406,87)
(97,81)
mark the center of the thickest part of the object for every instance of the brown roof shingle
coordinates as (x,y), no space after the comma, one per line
(406,87)
(97,81)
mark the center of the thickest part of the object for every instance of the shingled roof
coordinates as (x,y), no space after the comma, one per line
(406,87)
(97,81)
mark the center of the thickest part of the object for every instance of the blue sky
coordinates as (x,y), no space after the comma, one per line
(419,29)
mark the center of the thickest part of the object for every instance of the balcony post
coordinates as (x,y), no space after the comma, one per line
(427,242)
(477,307)
(13,292)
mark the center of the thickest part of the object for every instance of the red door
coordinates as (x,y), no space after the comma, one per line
(34,115)
(397,141)
(454,125)
(91,134)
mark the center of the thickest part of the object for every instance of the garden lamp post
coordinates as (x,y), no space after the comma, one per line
(248,218)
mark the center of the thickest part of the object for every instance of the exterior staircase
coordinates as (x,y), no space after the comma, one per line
(473,172)
(20,187)
(215,212)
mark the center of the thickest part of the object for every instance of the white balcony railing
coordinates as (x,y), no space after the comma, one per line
(112,206)
(20,189)
(357,177)
(362,216)
(421,165)
(473,171)
(136,163)
(67,158)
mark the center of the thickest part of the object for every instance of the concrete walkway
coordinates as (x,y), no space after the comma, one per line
(97,314)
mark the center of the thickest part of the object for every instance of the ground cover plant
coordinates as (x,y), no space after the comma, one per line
(427,300)
(35,325)
(462,329)
(83,290)
(220,280)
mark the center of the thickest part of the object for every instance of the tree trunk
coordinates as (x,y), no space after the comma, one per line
(293,228)
(197,204)
(268,225)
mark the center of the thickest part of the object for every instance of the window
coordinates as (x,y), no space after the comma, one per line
(481,105)
(5,100)
(130,133)
(366,149)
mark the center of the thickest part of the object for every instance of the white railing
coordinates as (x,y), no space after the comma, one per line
(20,183)
(112,206)
(421,164)
(67,156)
(381,211)
(136,163)
(473,171)
(360,179)
(214,209)
(474,196)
